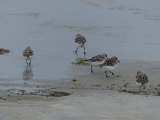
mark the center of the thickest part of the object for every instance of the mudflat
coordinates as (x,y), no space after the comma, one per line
(86,95)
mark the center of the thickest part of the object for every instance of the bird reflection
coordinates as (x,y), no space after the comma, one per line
(80,58)
(28,73)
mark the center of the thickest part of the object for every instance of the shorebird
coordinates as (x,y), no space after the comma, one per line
(97,60)
(28,53)
(110,64)
(80,42)
(141,80)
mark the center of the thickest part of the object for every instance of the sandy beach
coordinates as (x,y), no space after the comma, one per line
(82,105)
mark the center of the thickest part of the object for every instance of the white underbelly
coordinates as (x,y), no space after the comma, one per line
(97,63)
(109,68)
(140,85)
(28,58)
(80,45)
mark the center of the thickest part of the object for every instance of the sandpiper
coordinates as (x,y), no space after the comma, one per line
(28,54)
(80,42)
(97,60)
(110,64)
(141,80)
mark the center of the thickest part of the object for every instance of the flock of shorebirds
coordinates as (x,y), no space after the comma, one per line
(108,64)
(101,60)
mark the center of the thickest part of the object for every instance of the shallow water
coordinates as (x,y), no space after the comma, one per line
(128,29)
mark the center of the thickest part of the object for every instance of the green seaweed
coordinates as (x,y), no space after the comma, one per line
(81,62)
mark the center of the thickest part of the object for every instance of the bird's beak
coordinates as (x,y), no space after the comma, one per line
(118,61)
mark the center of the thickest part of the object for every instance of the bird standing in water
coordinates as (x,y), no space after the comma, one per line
(28,54)
(80,42)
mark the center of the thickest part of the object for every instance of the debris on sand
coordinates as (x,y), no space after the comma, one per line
(3,51)
(59,94)
(74,80)
(126,91)
(126,84)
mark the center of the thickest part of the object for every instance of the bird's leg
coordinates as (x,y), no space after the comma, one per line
(76,50)
(84,50)
(84,56)
(26,62)
(91,69)
(30,62)
(106,74)
(140,88)
(144,87)
(76,55)
(112,73)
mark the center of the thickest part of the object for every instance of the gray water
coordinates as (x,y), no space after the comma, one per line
(128,29)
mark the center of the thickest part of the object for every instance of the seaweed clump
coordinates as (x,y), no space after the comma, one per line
(81,62)
(59,94)
(4,51)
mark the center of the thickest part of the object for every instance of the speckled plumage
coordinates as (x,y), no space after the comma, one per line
(97,60)
(141,80)
(80,42)
(80,39)
(110,64)
(28,53)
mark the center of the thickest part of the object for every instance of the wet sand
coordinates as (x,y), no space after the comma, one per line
(92,95)
(81,78)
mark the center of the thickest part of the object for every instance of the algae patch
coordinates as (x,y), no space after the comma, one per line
(4,51)
(81,62)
